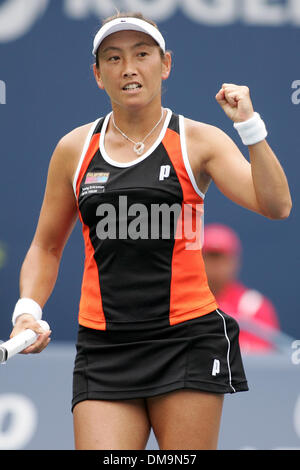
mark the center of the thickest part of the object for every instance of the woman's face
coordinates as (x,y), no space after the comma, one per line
(131,68)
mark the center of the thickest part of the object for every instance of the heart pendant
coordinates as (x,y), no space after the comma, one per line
(139,148)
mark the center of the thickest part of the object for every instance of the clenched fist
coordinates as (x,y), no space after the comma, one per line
(235,101)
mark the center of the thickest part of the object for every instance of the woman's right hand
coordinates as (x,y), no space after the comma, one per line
(26,321)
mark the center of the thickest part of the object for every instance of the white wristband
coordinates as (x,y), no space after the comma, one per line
(29,306)
(251,131)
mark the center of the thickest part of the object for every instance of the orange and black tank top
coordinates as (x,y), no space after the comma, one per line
(143,261)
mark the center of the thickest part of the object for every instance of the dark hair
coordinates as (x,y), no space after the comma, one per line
(137,15)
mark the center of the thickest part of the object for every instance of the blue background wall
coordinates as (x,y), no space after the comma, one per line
(50,89)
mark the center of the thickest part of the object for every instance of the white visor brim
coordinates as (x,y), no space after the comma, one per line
(132,24)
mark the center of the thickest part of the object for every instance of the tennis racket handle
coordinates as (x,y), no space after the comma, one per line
(20,342)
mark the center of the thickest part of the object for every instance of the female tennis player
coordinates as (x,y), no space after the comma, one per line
(153,348)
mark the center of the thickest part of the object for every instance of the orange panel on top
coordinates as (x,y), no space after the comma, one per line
(190,294)
(91,300)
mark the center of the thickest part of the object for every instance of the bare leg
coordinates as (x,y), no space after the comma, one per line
(186,419)
(111,425)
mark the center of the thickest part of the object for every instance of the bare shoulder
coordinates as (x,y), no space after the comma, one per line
(206,141)
(69,148)
(201,139)
(201,130)
(73,142)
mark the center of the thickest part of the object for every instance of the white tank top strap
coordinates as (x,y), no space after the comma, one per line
(84,150)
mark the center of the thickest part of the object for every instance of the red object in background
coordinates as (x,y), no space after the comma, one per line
(221,239)
(251,306)
(242,303)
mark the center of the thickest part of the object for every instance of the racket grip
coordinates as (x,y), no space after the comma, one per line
(20,342)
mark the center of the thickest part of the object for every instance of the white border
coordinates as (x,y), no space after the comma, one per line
(85,149)
(142,157)
(228,350)
(186,157)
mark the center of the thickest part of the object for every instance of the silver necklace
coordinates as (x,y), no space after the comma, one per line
(138,146)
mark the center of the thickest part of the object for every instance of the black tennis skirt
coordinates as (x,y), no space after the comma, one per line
(202,353)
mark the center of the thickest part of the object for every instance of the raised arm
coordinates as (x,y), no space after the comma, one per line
(259,185)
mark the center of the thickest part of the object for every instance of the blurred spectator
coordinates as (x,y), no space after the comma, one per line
(222,256)
(2,255)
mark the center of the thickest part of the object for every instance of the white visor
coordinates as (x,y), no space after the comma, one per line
(123,24)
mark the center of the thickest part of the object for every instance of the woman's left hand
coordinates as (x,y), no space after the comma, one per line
(235,101)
